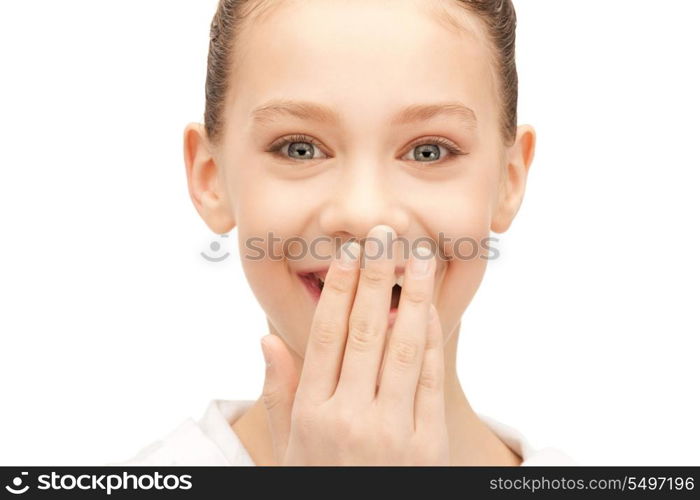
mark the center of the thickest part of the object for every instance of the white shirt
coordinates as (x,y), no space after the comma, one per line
(212,441)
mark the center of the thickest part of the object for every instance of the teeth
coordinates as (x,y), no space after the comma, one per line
(399,281)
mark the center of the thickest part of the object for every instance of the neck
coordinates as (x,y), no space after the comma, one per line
(472,442)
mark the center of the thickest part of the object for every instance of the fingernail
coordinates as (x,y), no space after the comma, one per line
(420,264)
(378,242)
(349,254)
(266,355)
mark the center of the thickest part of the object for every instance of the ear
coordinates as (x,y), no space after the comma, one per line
(513,178)
(205,180)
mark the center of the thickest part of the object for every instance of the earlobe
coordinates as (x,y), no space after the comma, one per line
(512,188)
(204,181)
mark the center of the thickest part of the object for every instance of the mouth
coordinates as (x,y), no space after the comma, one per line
(314,281)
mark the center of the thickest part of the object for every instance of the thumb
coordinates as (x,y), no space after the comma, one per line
(281,380)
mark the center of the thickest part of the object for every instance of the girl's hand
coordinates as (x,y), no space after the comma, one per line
(344,410)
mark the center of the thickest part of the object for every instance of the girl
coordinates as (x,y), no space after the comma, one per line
(378,138)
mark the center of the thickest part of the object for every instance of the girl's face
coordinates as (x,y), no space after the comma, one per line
(377,99)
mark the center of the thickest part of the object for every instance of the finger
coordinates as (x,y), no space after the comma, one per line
(397,387)
(368,319)
(430,394)
(281,380)
(326,343)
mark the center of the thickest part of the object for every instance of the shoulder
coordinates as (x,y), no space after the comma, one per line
(531,456)
(207,441)
(184,445)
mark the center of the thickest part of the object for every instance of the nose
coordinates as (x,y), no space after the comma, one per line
(360,199)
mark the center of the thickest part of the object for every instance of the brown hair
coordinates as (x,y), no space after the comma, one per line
(497,17)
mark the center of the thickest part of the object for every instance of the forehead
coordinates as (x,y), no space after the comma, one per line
(362,57)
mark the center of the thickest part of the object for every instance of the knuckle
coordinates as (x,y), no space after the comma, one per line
(375,277)
(415,296)
(343,427)
(361,333)
(339,283)
(326,332)
(358,437)
(389,439)
(271,397)
(404,352)
(430,380)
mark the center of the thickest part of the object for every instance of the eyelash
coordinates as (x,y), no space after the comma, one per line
(451,147)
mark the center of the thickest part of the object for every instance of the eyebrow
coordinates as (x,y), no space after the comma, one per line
(307,110)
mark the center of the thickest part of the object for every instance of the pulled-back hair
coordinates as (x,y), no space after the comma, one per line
(497,17)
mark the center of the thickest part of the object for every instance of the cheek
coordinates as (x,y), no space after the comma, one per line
(278,291)
(265,205)
(461,203)
(460,222)
(266,228)
(463,242)
(272,211)
(459,285)
(460,218)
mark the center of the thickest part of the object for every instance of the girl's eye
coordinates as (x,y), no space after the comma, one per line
(428,150)
(296,147)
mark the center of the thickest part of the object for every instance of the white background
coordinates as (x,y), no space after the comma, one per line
(113,328)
